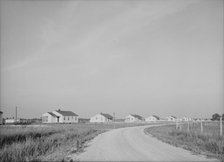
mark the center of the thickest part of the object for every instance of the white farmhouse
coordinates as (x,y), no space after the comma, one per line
(101,118)
(186,118)
(59,116)
(171,118)
(1,118)
(11,121)
(133,118)
(152,118)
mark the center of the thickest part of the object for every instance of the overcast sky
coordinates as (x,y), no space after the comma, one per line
(162,57)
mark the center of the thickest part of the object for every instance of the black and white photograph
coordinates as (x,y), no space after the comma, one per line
(112,80)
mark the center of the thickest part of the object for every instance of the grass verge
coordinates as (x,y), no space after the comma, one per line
(208,143)
(42,144)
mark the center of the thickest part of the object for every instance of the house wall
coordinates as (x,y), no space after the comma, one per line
(61,117)
(1,118)
(186,119)
(70,119)
(171,119)
(99,119)
(151,118)
(131,118)
(47,118)
(9,121)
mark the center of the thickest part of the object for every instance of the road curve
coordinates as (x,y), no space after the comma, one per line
(132,144)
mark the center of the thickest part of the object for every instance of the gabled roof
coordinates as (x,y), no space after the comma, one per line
(52,114)
(137,116)
(108,116)
(66,113)
(171,116)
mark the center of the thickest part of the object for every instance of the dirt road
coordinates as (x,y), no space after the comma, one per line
(132,144)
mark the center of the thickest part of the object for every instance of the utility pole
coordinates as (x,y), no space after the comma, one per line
(221,125)
(16,115)
(114,119)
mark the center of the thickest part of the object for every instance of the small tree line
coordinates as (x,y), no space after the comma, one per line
(217,116)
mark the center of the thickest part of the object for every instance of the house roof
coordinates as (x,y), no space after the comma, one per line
(52,114)
(66,113)
(108,116)
(137,116)
(171,116)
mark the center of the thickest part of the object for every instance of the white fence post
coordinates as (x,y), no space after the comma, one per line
(201,127)
(180,126)
(188,125)
(176,124)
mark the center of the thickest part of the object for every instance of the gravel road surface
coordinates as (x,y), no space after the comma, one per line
(132,144)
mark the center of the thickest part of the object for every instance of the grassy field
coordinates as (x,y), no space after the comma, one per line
(209,142)
(48,142)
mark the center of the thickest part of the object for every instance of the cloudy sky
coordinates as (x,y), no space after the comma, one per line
(145,57)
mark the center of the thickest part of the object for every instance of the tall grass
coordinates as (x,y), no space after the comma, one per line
(28,144)
(43,142)
(208,142)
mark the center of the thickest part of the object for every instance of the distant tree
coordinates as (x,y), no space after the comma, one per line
(222,116)
(216,116)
